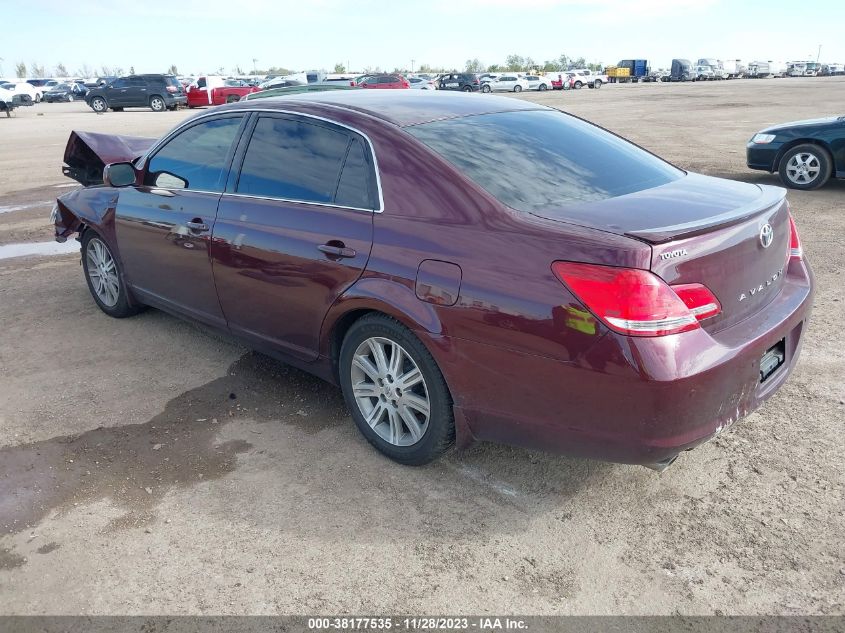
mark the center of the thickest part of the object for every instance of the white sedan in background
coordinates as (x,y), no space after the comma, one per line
(504,83)
(537,82)
(422,84)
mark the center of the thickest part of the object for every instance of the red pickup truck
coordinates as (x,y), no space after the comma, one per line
(211,90)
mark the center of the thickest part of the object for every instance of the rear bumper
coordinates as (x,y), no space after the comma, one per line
(630,399)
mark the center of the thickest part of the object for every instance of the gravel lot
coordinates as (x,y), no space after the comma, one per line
(152,466)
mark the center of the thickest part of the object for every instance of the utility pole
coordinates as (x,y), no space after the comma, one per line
(412,65)
(254,68)
(819,54)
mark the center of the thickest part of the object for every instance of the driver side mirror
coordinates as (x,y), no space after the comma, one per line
(119,175)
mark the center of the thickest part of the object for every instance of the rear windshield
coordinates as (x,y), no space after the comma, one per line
(537,159)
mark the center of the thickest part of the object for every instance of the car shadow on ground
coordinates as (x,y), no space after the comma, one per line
(135,466)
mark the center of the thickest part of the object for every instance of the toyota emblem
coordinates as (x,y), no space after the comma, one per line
(767,234)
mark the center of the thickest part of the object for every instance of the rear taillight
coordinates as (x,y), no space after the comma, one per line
(795,250)
(698,298)
(637,302)
(171,89)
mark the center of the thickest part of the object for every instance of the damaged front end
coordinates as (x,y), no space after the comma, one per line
(87,154)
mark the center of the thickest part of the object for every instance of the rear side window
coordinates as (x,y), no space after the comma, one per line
(575,160)
(195,159)
(355,187)
(293,160)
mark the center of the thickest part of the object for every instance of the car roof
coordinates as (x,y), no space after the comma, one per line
(399,107)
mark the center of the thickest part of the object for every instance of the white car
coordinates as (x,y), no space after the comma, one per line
(24,88)
(702,73)
(503,83)
(586,77)
(422,84)
(538,82)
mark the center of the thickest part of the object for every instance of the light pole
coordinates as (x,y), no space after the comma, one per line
(819,54)
(412,66)
(254,68)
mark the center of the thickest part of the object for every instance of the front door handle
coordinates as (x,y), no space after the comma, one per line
(197,225)
(337,249)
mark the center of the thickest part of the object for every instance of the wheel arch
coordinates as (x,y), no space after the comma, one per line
(805,141)
(383,296)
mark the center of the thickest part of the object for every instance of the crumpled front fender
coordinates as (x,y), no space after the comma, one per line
(94,207)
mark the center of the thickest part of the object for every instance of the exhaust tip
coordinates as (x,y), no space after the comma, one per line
(661,465)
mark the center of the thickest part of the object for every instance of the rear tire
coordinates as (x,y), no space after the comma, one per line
(578,85)
(157,104)
(542,87)
(805,167)
(517,88)
(105,278)
(232,99)
(485,88)
(597,83)
(467,88)
(398,426)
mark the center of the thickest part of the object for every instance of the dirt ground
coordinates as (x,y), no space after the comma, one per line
(149,465)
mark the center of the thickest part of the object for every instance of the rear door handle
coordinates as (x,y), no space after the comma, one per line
(337,249)
(197,225)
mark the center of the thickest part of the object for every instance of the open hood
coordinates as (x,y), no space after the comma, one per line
(87,153)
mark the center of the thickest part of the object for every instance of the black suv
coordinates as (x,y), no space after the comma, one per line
(157,92)
(465,82)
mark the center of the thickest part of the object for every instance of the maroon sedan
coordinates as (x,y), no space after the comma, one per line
(398,244)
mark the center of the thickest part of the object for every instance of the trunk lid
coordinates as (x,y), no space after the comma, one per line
(703,230)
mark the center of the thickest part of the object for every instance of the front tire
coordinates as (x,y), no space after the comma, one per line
(597,83)
(805,167)
(157,104)
(395,391)
(99,105)
(104,278)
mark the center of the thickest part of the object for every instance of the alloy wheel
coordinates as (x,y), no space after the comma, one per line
(803,168)
(390,391)
(103,272)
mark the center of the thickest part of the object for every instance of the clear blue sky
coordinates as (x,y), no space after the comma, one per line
(203,35)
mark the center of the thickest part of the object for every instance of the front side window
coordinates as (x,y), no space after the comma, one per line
(195,159)
(120,83)
(577,160)
(302,161)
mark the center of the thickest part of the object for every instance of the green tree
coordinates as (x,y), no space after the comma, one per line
(85,71)
(515,62)
(339,68)
(60,70)
(474,66)
(580,62)
(37,70)
(425,68)
(20,70)
(172,70)
(495,68)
